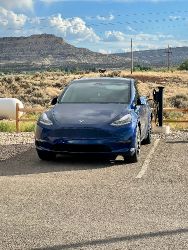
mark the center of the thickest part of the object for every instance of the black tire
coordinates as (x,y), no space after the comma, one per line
(133,158)
(45,155)
(148,139)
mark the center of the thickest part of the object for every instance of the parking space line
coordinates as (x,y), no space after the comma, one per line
(147,160)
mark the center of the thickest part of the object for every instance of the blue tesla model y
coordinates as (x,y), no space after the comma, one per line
(103,116)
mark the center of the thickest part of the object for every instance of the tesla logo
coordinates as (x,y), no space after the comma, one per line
(81,121)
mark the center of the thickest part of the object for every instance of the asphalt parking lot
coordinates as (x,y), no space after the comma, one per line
(76,203)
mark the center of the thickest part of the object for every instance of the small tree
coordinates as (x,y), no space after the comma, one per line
(184,66)
(139,67)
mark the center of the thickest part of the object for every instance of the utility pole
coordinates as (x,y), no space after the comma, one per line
(132,59)
(168,52)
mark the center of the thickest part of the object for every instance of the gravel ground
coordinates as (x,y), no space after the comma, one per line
(93,205)
(14,142)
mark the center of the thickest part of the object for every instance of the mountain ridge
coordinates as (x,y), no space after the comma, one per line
(158,57)
(47,51)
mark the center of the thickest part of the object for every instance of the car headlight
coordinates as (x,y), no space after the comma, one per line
(45,120)
(126,119)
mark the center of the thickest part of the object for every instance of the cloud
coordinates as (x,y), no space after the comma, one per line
(72,28)
(174,18)
(106,18)
(129,28)
(118,36)
(9,19)
(103,51)
(117,41)
(114,36)
(19,4)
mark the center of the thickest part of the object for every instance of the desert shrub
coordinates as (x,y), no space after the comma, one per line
(23,98)
(112,74)
(57,85)
(14,87)
(42,77)
(26,85)
(52,91)
(38,93)
(18,78)
(37,74)
(43,84)
(29,91)
(39,101)
(184,66)
(179,101)
(8,80)
(141,68)
(173,115)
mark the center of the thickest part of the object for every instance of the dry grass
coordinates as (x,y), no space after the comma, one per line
(38,89)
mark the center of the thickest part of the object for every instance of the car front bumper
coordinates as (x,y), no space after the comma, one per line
(61,142)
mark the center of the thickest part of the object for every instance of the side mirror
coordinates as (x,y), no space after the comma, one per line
(54,101)
(142,100)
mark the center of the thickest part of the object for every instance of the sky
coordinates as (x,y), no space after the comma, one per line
(100,25)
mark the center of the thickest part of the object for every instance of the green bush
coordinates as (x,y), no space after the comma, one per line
(7,126)
(30,127)
(184,66)
(141,68)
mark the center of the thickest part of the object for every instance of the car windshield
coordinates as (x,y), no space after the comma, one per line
(97,91)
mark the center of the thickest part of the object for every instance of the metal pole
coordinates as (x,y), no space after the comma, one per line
(160,111)
(168,52)
(168,57)
(132,59)
(17,118)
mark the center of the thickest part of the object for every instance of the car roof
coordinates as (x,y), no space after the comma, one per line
(103,79)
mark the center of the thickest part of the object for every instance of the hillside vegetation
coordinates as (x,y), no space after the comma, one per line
(50,52)
(158,57)
(39,88)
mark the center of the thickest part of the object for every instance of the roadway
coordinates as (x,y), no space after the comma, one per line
(94,204)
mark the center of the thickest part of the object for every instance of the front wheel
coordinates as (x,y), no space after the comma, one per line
(45,155)
(133,158)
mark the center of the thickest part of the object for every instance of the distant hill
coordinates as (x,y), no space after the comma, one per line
(158,58)
(49,51)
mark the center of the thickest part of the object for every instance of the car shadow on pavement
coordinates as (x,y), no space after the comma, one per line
(29,163)
(116,239)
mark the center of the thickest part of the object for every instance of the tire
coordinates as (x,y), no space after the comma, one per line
(147,140)
(133,158)
(45,155)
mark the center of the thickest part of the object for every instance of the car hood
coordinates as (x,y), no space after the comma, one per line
(85,114)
